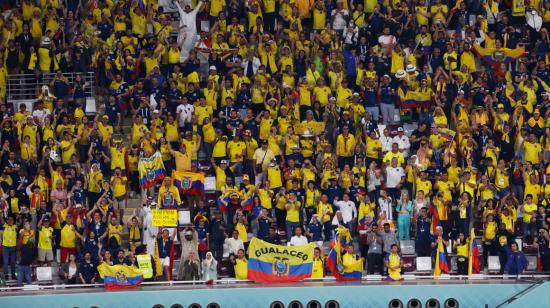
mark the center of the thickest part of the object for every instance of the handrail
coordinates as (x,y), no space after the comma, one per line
(25,86)
(515,296)
(366,278)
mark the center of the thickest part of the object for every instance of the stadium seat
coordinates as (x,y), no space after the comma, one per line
(493,264)
(423,264)
(44,274)
(532,263)
(407,247)
(409,264)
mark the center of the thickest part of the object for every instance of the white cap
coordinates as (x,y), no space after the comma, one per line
(156,111)
(400,129)
(212,67)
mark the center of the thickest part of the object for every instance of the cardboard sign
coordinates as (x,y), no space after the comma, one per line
(165,218)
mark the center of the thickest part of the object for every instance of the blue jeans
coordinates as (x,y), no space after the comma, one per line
(529,229)
(24,274)
(290,226)
(375,112)
(9,255)
(404,225)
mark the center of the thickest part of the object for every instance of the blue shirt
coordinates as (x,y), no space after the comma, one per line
(316,230)
(516,263)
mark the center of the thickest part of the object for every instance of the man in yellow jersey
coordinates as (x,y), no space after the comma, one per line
(9,247)
(184,157)
(45,240)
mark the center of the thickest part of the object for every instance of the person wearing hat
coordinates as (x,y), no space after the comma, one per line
(45,240)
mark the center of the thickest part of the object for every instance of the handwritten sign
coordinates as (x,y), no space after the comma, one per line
(165,218)
(315,128)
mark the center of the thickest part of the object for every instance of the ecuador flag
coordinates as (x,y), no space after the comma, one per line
(189,183)
(473,259)
(276,263)
(344,270)
(441,265)
(495,56)
(119,276)
(151,170)
(416,99)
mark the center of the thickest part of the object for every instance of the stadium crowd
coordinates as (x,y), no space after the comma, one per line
(400,120)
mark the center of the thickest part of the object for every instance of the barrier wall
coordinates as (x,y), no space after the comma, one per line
(256,296)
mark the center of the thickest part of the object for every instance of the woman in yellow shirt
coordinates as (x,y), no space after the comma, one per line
(462,246)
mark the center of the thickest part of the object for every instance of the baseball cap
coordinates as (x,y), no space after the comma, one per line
(400,129)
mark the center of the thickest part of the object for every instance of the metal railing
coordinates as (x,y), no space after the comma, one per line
(21,87)
(369,279)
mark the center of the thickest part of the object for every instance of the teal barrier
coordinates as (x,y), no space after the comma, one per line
(255,296)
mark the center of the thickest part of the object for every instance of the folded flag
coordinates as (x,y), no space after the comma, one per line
(151,170)
(119,276)
(343,271)
(473,255)
(441,265)
(275,263)
(189,183)
(495,56)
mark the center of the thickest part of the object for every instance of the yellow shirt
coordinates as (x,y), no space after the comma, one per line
(243,235)
(529,207)
(345,147)
(45,238)
(9,236)
(293,212)
(112,229)
(241,269)
(183,161)
(68,236)
(318,268)
(119,188)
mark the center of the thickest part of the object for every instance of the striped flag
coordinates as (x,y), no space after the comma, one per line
(473,255)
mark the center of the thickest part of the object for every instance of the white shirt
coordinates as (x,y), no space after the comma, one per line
(339,22)
(233,245)
(41,114)
(386,205)
(185,113)
(348,209)
(188,19)
(298,241)
(386,141)
(393,176)
(404,144)
(256,63)
(386,39)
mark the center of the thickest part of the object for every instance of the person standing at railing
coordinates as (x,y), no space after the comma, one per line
(9,249)
(28,256)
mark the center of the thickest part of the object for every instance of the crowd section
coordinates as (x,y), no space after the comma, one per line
(406,122)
